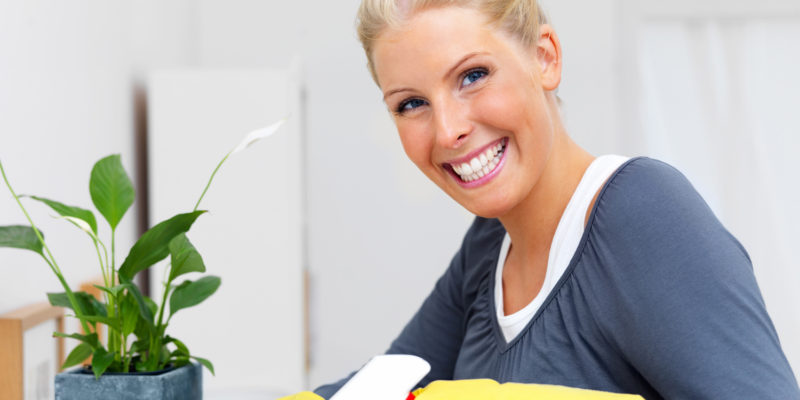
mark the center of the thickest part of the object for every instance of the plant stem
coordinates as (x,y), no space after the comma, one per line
(52,261)
(113,257)
(102,268)
(159,328)
(70,295)
(113,340)
(124,350)
(163,303)
(209,181)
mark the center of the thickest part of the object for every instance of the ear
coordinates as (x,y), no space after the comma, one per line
(548,55)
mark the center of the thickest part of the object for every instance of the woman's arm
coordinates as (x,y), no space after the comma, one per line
(436,331)
(686,311)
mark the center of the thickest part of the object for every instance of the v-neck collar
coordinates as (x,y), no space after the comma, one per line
(504,346)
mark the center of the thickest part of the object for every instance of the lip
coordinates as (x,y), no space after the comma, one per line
(486,178)
(473,154)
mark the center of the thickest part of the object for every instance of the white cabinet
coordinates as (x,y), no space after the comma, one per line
(252,329)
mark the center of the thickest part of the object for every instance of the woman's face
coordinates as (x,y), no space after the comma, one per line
(469,104)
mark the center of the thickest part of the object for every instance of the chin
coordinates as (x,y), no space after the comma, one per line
(492,203)
(488,208)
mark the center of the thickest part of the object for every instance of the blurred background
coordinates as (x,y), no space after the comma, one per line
(339,238)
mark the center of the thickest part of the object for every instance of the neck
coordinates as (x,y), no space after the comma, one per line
(532,223)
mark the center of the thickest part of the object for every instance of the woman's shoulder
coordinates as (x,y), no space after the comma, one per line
(645,192)
(650,211)
(643,178)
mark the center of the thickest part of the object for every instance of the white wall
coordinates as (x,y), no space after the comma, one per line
(379,233)
(590,81)
(67,76)
(65,102)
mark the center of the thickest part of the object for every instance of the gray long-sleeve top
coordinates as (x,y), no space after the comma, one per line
(659,300)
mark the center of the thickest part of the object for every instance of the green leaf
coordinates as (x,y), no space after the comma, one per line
(163,357)
(77,355)
(141,366)
(130,314)
(151,305)
(88,303)
(111,189)
(62,300)
(144,308)
(153,246)
(20,237)
(90,339)
(70,211)
(189,293)
(205,363)
(113,291)
(101,359)
(178,361)
(112,323)
(181,348)
(140,346)
(185,257)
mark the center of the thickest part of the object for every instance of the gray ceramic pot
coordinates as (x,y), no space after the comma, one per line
(184,383)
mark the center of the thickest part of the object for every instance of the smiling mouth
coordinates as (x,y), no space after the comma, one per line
(480,165)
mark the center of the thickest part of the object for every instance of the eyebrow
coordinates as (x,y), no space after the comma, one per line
(449,72)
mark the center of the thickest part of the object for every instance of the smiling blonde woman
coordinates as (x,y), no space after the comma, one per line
(606,273)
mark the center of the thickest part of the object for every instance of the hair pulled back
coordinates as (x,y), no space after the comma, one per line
(520,18)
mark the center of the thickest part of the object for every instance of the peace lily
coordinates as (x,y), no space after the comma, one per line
(126,312)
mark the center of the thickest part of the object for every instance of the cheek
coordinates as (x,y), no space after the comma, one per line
(417,143)
(516,110)
(501,107)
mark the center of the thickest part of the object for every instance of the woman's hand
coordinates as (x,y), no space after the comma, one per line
(302,396)
(487,389)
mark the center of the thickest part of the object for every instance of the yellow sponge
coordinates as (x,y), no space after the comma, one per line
(487,389)
(302,396)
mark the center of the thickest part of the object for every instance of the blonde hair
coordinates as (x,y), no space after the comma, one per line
(520,18)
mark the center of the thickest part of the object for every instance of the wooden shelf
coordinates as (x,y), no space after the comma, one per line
(12,330)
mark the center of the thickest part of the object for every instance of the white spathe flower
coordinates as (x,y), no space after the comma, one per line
(83,225)
(257,135)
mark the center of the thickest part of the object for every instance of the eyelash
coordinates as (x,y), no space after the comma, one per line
(401,108)
(472,71)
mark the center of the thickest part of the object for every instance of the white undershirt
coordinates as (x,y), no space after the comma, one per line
(565,242)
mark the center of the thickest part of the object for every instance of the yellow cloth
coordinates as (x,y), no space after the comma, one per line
(487,389)
(302,396)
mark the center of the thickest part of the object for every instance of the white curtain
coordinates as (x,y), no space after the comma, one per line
(720,100)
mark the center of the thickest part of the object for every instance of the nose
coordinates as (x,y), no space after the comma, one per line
(453,126)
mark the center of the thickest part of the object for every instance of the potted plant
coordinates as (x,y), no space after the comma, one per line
(137,359)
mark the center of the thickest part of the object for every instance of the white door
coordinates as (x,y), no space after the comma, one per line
(712,87)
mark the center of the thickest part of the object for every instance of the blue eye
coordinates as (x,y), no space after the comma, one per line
(409,105)
(472,76)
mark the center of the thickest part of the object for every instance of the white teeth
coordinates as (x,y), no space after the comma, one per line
(480,165)
(475,164)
